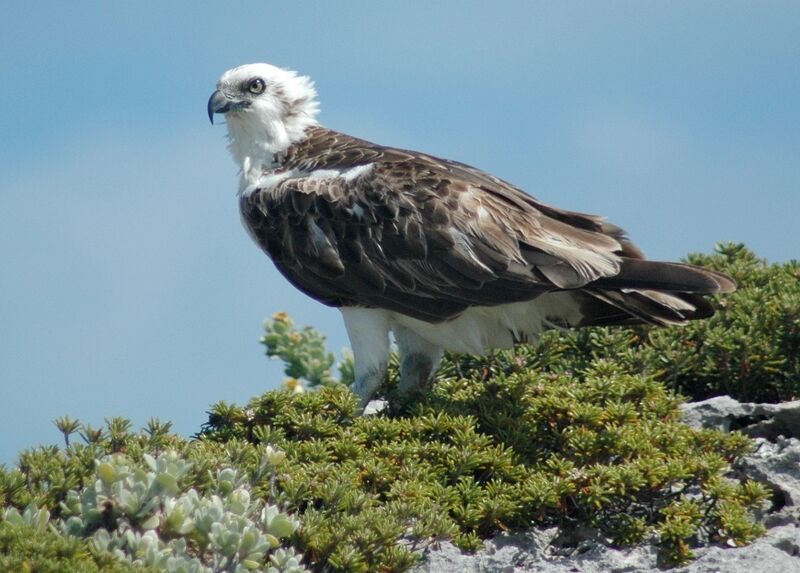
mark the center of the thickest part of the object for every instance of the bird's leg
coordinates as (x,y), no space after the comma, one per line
(419,359)
(368,330)
(415,373)
(366,384)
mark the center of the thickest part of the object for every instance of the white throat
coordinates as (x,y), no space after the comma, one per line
(255,144)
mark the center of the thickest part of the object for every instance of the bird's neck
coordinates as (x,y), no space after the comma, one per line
(258,147)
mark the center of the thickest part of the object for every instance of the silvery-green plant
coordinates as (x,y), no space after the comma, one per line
(33,517)
(142,516)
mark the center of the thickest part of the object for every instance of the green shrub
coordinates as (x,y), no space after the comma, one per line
(578,430)
(304,354)
(477,457)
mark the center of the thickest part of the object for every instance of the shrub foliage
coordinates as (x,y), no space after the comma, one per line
(477,457)
(579,430)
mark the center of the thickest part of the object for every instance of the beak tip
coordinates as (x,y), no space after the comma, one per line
(216,104)
(221,103)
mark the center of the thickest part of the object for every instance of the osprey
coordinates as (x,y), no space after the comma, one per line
(437,253)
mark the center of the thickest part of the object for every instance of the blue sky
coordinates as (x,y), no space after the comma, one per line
(128,287)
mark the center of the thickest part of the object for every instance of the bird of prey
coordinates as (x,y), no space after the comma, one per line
(435,253)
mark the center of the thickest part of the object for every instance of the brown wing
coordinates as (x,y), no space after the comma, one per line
(428,237)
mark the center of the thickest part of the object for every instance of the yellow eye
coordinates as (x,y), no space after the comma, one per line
(256,86)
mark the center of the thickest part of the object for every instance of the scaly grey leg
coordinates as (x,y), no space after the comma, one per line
(366,385)
(419,360)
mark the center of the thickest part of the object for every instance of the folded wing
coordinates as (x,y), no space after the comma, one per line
(355,224)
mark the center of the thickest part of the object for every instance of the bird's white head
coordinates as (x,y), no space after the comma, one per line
(266,109)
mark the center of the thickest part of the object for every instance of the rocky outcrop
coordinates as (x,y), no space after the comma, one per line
(776,459)
(756,420)
(775,462)
(777,552)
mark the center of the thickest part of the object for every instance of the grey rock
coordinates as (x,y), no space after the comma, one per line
(756,420)
(776,552)
(786,538)
(775,462)
(375,407)
(778,466)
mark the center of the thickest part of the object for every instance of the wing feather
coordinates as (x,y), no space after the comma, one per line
(428,238)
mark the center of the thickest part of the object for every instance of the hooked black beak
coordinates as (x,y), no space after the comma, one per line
(221,103)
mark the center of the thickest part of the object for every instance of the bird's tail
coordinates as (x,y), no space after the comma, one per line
(670,277)
(653,292)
